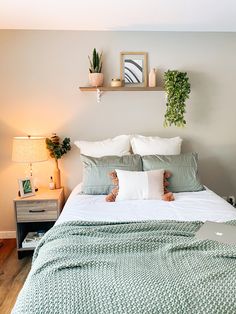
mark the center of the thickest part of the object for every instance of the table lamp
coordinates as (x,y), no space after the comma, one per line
(29,150)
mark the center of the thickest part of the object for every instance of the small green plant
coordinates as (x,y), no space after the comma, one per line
(96,62)
(177,87)
(57,149)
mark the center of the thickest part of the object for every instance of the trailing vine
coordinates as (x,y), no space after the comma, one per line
(177,87)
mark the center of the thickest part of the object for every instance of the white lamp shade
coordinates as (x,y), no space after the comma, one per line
(29,149)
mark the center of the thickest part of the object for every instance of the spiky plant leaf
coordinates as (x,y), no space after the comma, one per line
(96,62)
(94,58)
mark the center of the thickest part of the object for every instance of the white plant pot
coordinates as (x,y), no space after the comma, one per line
(96,79)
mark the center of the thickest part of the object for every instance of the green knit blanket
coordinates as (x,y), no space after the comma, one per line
(134,267)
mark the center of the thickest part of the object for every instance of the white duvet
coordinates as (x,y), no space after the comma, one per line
(188,206)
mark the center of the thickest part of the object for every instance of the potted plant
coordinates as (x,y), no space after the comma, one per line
(57,150)
(95,75)
(177,87)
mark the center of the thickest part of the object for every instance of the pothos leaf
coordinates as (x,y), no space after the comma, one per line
(178,88)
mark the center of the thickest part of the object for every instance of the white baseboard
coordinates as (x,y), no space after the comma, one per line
(7,234)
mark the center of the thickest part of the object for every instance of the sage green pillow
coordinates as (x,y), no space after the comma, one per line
(96,179)
(183,168)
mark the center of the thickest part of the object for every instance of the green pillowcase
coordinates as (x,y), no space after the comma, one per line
(183,168)
(96,179)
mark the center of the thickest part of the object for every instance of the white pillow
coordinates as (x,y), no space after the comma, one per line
(117,146)
(140,185)
(149,145)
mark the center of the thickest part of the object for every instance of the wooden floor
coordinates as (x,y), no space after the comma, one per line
(13,273)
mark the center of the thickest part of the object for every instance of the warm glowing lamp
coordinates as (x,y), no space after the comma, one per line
(29,150)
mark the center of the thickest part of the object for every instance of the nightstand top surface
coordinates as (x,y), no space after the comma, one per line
(42,194)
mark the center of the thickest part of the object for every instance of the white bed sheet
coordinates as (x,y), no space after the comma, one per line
(188,206)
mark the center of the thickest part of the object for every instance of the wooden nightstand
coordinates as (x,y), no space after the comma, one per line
(38,212)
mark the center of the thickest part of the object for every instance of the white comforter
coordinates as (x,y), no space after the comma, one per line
(188,206)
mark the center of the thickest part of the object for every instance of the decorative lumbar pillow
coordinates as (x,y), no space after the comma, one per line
(154,145)
(183,168)
(117,146)
(111,197)
(140,185)
(95,171)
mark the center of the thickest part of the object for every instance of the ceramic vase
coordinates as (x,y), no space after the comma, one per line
(152,81)
(57,176)
(96,79)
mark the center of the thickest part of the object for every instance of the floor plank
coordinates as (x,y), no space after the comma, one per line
(13,273)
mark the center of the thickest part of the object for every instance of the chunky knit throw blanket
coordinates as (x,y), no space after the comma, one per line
(135,268)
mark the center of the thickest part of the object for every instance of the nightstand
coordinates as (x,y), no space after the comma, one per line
(38,212)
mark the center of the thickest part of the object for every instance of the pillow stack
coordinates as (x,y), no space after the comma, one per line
(117,146)
(140,174)
(96,171)
(150,145)
(183,168)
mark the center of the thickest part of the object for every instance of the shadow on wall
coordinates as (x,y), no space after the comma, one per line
(203,92)
(7,132)
(219,180)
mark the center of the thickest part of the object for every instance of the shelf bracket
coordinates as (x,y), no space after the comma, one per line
(99,95)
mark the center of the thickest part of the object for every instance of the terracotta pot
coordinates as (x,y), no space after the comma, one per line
(96,79)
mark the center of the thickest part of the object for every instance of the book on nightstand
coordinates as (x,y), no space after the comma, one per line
(32,239)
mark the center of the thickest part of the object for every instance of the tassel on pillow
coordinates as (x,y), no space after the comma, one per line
(111,197)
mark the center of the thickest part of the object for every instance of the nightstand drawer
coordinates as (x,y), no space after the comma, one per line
(36,210)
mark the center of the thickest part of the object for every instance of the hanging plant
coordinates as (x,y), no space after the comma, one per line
(177,87)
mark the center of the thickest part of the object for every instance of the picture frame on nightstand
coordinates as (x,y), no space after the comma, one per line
(26,187)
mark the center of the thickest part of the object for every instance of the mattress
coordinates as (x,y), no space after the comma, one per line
(188,206)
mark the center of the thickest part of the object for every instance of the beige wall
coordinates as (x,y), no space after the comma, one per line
(40,72)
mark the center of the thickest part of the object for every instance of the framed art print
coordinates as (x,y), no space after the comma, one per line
(133,68)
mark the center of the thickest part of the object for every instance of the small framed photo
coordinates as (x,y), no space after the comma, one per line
(133,69)
(26,187)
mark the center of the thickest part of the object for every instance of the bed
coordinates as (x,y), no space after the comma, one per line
(134,256)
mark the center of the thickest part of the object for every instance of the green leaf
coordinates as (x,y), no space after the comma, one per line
(178,89)
(57,150)
(96,62)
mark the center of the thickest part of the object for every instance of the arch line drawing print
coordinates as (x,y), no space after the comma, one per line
(133,68)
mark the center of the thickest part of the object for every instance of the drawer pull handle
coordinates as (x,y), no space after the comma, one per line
(37,210)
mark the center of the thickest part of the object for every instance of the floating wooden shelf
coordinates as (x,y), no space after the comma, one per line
(121,89)
(101,89)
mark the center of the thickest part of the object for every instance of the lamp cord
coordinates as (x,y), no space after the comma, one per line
(31,169)
(31,175)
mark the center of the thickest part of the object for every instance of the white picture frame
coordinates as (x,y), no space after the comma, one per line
(26,187)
